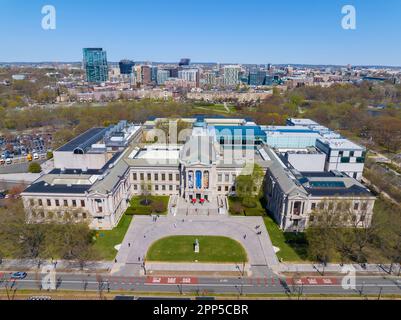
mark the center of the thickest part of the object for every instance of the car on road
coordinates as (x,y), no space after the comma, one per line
(18,275)
(9,161)
(40,298)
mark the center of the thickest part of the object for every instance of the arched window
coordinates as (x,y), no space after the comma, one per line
(198,179)
(191,179)
(206,180)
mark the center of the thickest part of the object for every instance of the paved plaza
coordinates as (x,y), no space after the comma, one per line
(144,231)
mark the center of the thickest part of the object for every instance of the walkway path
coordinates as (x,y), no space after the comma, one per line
(337,268)
(143,232)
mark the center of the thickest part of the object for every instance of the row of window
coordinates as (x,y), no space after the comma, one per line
(339,206)
(156,176)
(351,154)
(164,187)
(226,177)
(226,188)
(344,218)
(52,215)
(348,159)
(157,187)
(58,203)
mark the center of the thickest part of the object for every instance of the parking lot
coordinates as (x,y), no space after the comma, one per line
(20,149)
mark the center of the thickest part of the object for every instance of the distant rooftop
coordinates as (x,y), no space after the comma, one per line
(84,140)
(301,122)
(156,152)
(340,144)
(44,187)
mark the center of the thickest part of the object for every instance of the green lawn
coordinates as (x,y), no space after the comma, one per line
(107,239)
(212,249)
(257,211)
(136,208)
(292,246)
(219,108)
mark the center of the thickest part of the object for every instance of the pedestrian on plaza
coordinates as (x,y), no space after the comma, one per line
(115,260)
(129,244)
(139,259)
(244,236)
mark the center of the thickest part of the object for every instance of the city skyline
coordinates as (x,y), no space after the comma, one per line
(285,33)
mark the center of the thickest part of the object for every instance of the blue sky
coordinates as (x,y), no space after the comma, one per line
(235,31)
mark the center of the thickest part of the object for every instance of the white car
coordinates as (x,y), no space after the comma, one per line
(9,161)
(35,156)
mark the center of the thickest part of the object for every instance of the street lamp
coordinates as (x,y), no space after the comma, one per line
(380,293)
(363,286)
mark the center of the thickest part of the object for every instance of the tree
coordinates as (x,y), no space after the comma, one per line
(336,229)
(158,206)
(388,237)
(387,132)
(32,241)
(34,167)
(167,125)
(249,182)
(244,186)
(146,190)
(71,242)
(321,234)
(237,208)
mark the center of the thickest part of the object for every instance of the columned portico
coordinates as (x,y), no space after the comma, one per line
(199,183)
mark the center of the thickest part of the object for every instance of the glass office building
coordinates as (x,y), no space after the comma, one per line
(153,74)
(95,64)
(126,66)
(257,78)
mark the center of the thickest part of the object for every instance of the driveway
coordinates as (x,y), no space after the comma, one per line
(143,231)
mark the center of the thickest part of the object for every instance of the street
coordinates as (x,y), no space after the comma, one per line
(365,285)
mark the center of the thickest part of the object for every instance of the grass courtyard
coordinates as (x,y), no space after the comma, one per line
(293,247)
(236,208)
(212,249)
(217,108)
(106,240)
(158,205)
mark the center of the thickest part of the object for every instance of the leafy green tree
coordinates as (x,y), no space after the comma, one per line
(34,167)
(249,182)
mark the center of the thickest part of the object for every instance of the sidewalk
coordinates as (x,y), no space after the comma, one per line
(319,268)
(205,268)
(61,265)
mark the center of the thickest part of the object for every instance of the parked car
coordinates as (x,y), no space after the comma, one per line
(35,156)
(9,161)
(19,275)
(40,298)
